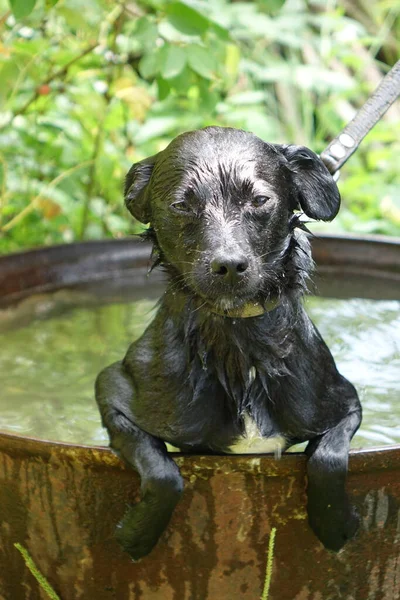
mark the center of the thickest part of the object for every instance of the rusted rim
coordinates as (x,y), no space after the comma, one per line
(386,458)
(70,265)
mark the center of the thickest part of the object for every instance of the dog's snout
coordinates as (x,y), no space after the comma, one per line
(230,268)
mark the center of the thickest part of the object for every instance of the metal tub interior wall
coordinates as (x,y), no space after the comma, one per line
(62,501)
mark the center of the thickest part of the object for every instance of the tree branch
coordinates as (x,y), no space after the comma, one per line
(34,203)
(56,75)
(4,18)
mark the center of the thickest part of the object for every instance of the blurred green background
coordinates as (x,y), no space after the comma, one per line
(89,87)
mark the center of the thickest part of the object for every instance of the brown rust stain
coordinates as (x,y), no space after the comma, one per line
(304,594)
(63,505)
(382,508)
(369,509)
(199,519)
(85,566)
(391,578)
(235,560)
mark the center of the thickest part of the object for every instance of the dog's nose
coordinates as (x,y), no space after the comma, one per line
(231,268)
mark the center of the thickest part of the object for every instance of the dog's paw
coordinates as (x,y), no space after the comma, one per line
(139,530)
(334,525)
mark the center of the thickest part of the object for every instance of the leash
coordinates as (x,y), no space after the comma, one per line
(342,147)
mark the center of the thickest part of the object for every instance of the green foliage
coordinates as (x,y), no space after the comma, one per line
(89,88)
(22,8)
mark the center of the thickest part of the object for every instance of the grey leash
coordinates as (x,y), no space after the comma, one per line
(347,142)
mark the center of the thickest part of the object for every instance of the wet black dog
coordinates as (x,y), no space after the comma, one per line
(231,361)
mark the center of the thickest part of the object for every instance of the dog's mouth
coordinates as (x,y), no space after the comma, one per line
(226,303)
(231,307)
(235,301)
(221,294)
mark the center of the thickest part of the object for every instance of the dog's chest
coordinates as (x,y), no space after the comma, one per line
(252,442)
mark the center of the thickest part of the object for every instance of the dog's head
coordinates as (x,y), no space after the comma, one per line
(220,202)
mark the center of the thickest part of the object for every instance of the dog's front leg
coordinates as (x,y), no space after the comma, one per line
(331,516)
(161,482)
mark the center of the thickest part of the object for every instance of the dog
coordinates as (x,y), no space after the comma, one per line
(231,361)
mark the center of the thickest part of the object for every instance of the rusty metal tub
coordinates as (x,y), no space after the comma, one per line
(62,501)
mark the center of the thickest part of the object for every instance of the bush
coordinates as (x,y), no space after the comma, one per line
(88,88)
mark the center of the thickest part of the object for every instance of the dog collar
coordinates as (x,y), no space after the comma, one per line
(250,309)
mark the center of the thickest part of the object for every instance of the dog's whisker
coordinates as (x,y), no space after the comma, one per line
(199,307)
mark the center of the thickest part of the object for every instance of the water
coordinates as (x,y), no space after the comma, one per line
(52,352)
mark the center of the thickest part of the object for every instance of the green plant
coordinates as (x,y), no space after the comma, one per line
(270,562)
(87,89)
(42,581)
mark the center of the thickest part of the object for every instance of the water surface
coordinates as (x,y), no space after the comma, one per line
(51,355)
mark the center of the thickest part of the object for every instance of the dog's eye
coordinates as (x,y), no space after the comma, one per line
(259,201)
(182,207)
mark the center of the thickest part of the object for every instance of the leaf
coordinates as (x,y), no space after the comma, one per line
(271,6)
(183,81)
(208,98)
(256,23)
(186,19)
(136,97)
(307,77)
(170,33)
(157,127)
(219,18)
(50,3)
(146,32)
(49,208)
(74,19)
(201,61)
(232,60)
(164,88)
(22,8)
(8,76)
(172,61)
(247,98)
(149,65)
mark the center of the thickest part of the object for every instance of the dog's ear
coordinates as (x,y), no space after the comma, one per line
(137,197)
(318,195)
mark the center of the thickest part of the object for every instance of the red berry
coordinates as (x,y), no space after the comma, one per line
(44,90)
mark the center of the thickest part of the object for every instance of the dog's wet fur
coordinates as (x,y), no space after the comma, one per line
(220,203)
